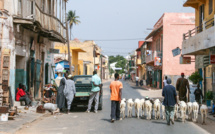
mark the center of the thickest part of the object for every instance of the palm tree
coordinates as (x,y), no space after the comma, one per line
(72,19)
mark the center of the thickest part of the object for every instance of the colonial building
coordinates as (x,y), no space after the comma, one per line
(165,37)
(88,59)
(200,41)
(28,30)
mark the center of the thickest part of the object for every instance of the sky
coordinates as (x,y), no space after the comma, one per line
(118,25)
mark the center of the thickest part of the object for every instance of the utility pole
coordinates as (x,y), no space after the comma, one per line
(68,45)
(94,55)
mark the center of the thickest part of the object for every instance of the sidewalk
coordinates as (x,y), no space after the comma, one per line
(22,119)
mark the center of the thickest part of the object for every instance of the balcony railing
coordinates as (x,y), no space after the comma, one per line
(151,57)
(206,25)
(49,22)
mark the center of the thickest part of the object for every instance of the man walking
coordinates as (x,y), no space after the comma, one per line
(69,92)
(96,85)
(137,80)
(116,93)
(182,85)
(170,99)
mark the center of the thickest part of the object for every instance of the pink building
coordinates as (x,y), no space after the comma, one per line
(166,36)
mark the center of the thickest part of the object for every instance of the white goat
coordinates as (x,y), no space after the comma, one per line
(122,108)
(148,107)
(130,104)
(137,106)
(190,110)
(176,112)
(183,109)
(204,111)
(156,107)
(163,112)
(142,104)
(195,111)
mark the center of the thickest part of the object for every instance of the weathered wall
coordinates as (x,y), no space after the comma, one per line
(174,25)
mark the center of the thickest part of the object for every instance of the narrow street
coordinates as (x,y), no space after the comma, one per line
(79,122)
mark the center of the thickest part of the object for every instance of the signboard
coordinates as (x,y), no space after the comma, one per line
(212,59)
(199,62)
(176,51)
(185,60)
(157,61)
(54,51)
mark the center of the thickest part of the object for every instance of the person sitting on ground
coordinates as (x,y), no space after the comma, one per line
(198,94)
(21,96)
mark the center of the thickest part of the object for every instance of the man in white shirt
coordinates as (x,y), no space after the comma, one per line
(137,80)
(165,81)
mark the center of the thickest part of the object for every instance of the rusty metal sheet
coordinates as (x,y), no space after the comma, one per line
(5,82)
(5,87)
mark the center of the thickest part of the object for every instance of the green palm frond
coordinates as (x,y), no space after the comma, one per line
(72,18)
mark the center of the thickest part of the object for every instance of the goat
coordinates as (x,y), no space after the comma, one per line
(148,107)
(137,106)
(190,110)
(204,111)
(122,108)
(195,111)
(130,104)
(142,104)
(163,112)
(156,107)
(176,112)
(183,109)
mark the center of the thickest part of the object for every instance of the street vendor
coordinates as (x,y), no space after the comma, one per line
(22,96)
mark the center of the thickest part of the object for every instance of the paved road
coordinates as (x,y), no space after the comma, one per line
(79,122)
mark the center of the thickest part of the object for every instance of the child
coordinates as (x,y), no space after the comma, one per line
(198,94)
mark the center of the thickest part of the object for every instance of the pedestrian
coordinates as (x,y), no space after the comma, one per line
(198,94)
(95,91)
(182,86)
(116,93)
(69,92)
(141,82)
(61,100)
(164,81)
(170,99)
(137,80)
(21,96)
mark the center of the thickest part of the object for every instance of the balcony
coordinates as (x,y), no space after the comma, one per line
(150,58)
(45,24)
(196,41)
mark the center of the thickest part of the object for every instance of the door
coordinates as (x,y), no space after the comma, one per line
(47,73)
(37,79)
(19,78)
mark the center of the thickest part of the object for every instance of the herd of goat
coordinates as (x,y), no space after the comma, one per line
(146,107)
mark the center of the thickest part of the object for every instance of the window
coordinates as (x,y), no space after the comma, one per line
(201,14)
(210,6)
(158,45)
(20,7)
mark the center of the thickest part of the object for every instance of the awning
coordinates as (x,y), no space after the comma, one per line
(193,3)
(154,32)
(138,49)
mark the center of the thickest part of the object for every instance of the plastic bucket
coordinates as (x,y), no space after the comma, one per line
(4,117)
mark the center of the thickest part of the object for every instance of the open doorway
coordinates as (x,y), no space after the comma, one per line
(20,72)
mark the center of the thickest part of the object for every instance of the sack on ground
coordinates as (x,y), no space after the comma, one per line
(51,107)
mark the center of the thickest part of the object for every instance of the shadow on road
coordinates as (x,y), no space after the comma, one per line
(157,122)
(107,120)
